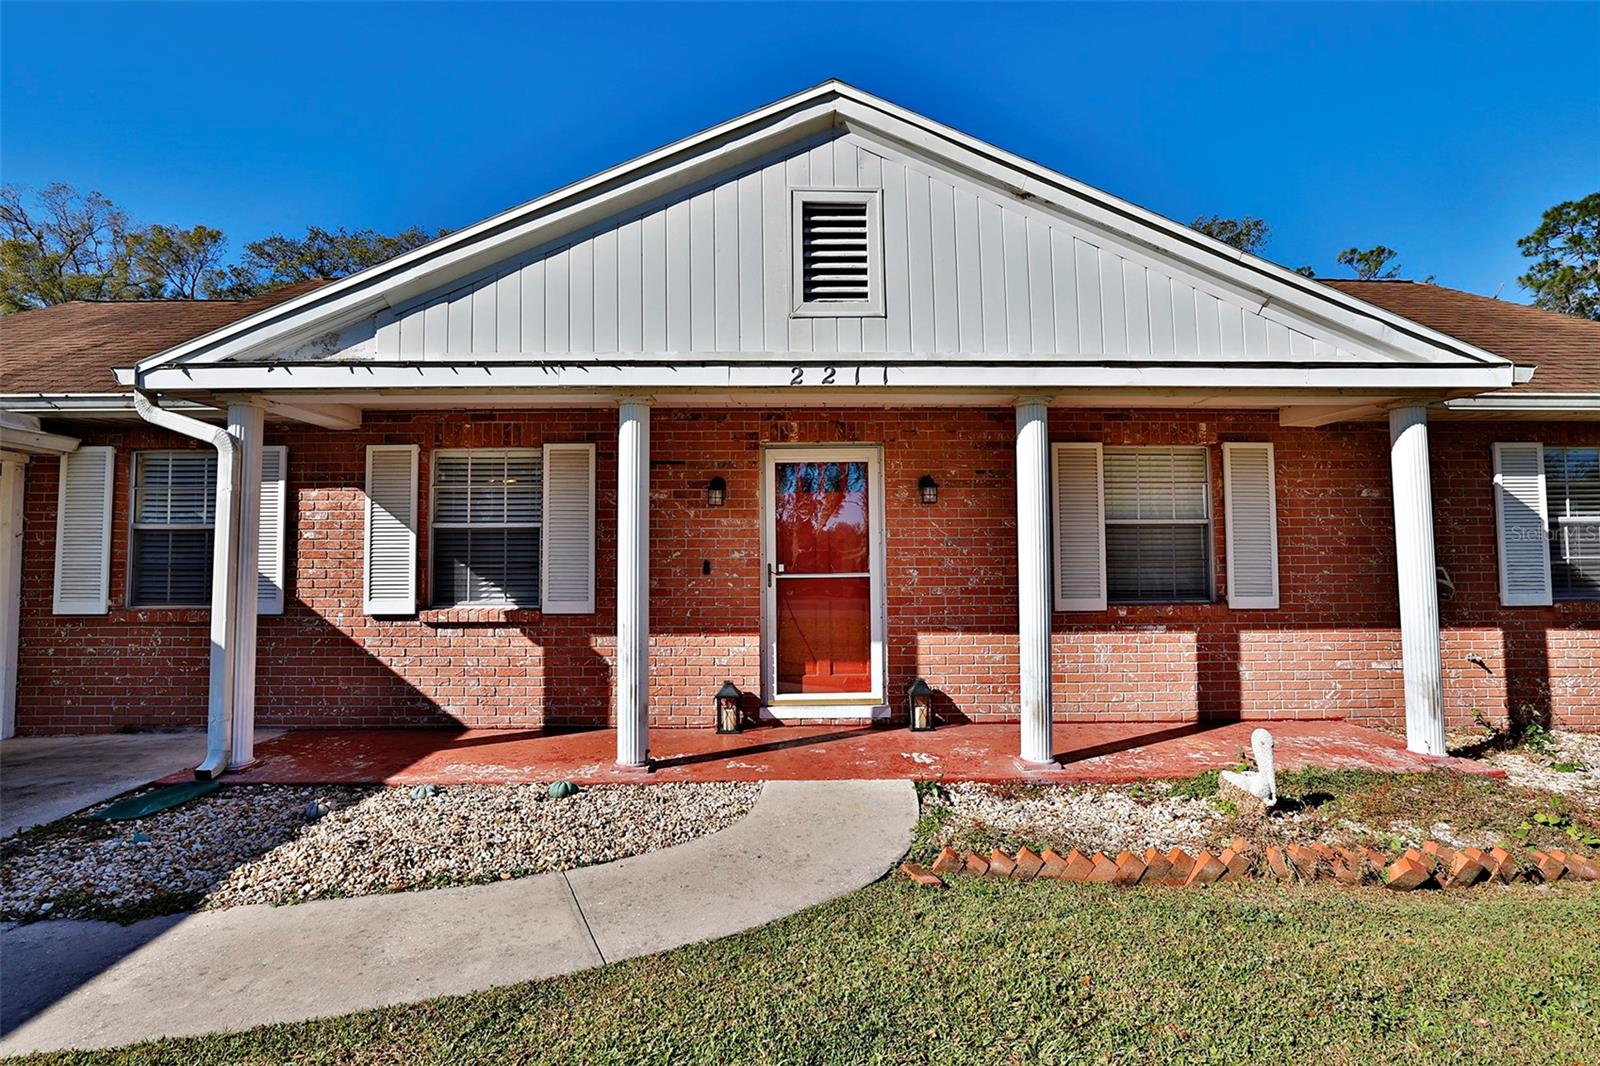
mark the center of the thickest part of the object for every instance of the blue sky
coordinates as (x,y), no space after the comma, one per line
(1440,130)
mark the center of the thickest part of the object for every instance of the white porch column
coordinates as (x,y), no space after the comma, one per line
(13,471)
(1033,576)
(633,581)
(245,425)
(1418,579)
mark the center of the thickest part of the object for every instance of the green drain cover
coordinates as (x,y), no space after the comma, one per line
(159,799)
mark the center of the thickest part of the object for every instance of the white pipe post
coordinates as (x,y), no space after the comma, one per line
(224,561)
(245,424)
(633,583)
(13,471)
(1033,577)
(1418,579)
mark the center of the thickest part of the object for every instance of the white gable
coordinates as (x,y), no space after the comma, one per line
(968,270)
(686,254)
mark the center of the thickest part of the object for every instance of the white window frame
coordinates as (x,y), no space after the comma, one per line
(134,526)
(1555,524)
(536,454)
(1208,522)
(871,307)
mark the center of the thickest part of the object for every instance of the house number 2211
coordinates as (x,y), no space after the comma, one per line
(830,375)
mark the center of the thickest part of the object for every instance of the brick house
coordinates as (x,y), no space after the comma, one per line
(820,401)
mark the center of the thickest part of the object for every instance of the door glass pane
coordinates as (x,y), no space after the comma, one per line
(824,634)
(821,512)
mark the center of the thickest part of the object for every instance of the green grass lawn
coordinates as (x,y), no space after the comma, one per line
(1042,972)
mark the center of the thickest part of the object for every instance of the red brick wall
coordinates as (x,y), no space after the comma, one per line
(1535,658)
(1332,649)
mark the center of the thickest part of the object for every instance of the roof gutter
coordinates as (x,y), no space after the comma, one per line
(225,541)
(1553,402)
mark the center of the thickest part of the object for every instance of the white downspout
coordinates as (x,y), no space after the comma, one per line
(219,700)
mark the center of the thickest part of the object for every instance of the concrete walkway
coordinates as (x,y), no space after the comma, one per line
(45,778)
(92,984)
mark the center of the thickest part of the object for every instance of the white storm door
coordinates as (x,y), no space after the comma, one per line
(822,582)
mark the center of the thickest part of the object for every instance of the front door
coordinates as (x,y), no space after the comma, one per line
(823,582)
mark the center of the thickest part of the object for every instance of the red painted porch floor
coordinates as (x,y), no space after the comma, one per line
(1106,753)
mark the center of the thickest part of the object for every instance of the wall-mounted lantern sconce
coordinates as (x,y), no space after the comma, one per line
(928,489)
(727,706)
(919,701)
(716,492)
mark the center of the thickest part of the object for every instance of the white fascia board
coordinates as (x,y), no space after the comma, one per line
(22,434)
(66,404)
(1553,402)
(705,154)
(782,373)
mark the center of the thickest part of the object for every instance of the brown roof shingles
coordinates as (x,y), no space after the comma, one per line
(1564,348)
(74,347)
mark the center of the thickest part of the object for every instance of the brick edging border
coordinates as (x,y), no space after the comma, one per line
(1434,865)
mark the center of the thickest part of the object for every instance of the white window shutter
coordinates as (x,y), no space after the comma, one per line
(83,531)
(391,545)
(274,503)
(1251,515)
(1080,528)
(1522,524)
(567,540)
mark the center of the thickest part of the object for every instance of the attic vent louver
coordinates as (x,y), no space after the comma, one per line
(836,267)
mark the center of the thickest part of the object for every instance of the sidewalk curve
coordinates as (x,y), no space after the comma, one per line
(82,984)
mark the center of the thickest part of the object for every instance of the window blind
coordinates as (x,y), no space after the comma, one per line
(487,525)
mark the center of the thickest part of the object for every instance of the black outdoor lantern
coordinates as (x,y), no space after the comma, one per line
(716,492)
(919,698)
(928,488)
(727,701)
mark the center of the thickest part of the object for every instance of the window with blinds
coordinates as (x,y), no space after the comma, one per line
(174,517)
(1158,525)
(486,528)
(836,253)
(1572,491)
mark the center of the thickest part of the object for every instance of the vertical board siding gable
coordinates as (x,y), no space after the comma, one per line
(966,269)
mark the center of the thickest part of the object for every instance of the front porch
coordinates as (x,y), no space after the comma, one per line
(1085,753)
(996,592)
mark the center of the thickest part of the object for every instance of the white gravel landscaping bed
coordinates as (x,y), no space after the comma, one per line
(1569,764)
(253,844)
(1091,819)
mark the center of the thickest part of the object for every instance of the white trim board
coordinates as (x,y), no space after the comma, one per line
(780,373)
